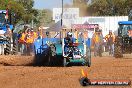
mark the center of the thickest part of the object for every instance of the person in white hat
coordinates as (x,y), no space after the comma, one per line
(69,37)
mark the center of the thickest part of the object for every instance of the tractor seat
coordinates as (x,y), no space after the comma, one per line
(73,44)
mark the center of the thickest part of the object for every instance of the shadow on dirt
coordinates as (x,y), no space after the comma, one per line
(39,60)
(47,60)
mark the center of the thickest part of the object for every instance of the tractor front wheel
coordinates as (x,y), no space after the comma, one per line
(7,50)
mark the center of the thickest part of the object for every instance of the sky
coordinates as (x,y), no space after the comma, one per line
(50,4)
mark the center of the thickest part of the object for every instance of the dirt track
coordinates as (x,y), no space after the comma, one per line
(60,77)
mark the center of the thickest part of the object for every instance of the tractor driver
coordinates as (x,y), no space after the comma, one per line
(68,39)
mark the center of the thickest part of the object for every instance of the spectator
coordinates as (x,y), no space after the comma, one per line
(22,42)
(96,42)
(110,39)
(8,32)
(34,36)
(29,41)
(39,32)
(100,43)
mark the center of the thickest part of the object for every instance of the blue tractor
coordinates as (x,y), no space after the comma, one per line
(6,19)
(55,51)
(123,42)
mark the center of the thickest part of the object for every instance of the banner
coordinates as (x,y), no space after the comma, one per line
(84,26)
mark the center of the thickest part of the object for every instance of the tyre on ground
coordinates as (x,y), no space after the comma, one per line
(118,48)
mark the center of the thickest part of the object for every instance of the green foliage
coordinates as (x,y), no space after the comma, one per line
(110,7)
(29,13)
(24,12)
(23,9)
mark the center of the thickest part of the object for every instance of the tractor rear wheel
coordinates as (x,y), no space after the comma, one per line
(118,48)
(52,55)
(7,50)
(53,49)
(118,51)
(15,49)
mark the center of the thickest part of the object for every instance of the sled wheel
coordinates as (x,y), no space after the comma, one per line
(53,49)
(64,62)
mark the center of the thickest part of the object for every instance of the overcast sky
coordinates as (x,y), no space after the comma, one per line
(49,4)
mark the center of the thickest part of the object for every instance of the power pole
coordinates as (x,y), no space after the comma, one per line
(130,15)
(62,15)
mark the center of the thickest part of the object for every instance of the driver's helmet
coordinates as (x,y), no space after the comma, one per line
(47,33)
(7,26)
(69,34)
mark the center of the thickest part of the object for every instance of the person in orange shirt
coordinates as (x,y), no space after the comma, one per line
(34,34)
(22,38)
(110,39)
(29,41)
(22,42)
(96,42)
(33,38)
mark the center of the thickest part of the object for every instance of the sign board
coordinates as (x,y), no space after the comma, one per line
(84,26)
(68,13)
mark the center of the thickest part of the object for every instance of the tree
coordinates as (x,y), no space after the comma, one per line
(21,10)
(128,5)
(13,7)
(109,7)
(30,13)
